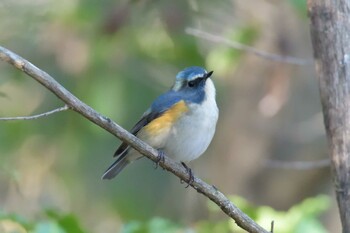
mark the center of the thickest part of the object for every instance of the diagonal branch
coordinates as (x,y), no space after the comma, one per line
(86,111)
(34,117)
(246,48)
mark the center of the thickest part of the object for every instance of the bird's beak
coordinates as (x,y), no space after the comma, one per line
(207,75)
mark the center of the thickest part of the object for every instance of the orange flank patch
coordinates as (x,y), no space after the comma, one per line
(167,119)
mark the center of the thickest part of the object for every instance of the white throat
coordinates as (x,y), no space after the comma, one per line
(210,91)
(192,133)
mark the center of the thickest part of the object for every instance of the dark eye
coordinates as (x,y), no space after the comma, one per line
(192,83)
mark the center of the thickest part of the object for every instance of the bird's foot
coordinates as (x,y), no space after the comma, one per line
(161,158)
(190,174)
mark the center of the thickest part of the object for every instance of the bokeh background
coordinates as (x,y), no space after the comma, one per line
(117,56)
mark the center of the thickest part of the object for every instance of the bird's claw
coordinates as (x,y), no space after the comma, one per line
(190,174)
(161,157)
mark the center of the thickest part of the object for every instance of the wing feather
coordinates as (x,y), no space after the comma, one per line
(146,118)
(158,107)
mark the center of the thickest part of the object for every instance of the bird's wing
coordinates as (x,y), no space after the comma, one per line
(158,107)
(147,117)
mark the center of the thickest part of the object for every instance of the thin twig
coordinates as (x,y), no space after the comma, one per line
(78,106)
(298,165)
(249,49)
(272,226)
(34,117)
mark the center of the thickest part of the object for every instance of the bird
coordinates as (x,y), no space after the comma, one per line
(180,123)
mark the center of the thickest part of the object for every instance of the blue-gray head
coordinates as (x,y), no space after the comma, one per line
(191,78)
(192,85)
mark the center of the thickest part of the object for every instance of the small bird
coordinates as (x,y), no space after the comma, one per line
(180,123)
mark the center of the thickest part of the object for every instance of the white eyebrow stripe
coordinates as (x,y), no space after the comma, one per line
(197,76)
(177,86)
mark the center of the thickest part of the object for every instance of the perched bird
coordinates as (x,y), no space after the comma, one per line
(180,123)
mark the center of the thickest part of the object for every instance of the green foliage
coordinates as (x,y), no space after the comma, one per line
(213,227)
(68,222)
(48,227)
(50,222)
(300,6)
(155,225)
(302,217)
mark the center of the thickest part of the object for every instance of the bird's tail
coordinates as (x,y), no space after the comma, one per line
(115,168)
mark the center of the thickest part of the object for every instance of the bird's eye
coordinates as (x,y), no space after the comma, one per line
(192,83)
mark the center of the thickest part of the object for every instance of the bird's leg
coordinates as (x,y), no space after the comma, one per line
(161,157)
(190,174)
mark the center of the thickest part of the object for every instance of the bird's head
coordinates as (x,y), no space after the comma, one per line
(191,79)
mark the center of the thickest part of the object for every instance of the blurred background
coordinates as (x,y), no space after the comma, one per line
(117,56)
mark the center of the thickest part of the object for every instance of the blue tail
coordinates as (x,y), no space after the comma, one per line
(115,168)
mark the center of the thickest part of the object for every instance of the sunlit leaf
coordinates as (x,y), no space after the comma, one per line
(48,227)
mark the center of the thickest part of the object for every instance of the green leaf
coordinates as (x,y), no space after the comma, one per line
(49,227)
(68,222)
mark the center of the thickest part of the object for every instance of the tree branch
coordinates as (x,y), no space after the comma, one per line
(34,117)
(330,33)
(246,48)
(78,106)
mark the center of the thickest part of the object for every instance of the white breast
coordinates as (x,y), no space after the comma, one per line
(192,133)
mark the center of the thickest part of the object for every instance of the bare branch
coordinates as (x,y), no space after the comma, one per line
(330,33)
(246,48)
(78,106)
(298,165)
(45,114)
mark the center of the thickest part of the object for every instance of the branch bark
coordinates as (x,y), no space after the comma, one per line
(241,219)
(330,32)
